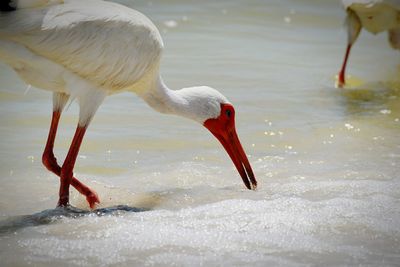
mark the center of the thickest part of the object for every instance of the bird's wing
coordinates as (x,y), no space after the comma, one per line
(394,3)
(106,43)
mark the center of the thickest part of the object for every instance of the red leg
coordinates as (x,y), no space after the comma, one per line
(343,69)
(353,30)
(48,158)
(68,166)
(50,162)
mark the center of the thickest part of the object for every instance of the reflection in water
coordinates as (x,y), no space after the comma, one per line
(374,97)
(53,215)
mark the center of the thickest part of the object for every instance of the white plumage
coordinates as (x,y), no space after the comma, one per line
(90,49)
(375,16)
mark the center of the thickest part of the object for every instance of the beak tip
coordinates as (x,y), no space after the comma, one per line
(251,186)
(254,186)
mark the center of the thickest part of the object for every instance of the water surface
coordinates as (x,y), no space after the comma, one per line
(327,160)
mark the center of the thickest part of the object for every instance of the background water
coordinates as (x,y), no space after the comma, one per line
(327,160)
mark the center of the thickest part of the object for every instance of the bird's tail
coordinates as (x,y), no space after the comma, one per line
(12,5)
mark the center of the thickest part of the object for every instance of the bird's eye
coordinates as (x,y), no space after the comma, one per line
(228,113)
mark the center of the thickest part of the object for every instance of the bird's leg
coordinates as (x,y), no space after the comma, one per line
(48,158)
(353,30)
(50,161)
(89,101)
(66,174)
(342,79)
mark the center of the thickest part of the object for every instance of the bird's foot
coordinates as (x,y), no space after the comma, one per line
(92,199)
(341,80)
(63,201)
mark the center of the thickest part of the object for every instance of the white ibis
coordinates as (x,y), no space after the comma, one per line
(375,16)
(89,49)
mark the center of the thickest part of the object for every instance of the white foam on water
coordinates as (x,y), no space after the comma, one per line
(287,222)
(283,231)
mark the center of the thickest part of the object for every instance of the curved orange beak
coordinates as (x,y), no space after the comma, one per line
(223,128)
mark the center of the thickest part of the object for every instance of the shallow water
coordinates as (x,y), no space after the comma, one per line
(327,160)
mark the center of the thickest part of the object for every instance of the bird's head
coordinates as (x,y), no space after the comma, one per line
(213,111)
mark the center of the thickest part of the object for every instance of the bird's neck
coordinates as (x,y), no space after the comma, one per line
(164,100)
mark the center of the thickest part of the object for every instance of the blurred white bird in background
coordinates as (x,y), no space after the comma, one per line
(374,16)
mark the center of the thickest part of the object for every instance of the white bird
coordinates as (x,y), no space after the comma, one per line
(375,16)
(87,50)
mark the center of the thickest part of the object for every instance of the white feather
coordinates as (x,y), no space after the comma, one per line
(108,44)
(371,3)
(198,103)
(59,101)
(90,48)
(376,15)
